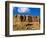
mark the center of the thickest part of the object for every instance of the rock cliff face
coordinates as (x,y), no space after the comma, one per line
(26,22)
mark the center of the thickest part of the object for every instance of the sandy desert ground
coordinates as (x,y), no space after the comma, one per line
(26,23)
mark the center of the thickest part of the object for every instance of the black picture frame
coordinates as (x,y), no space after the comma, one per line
(7,18)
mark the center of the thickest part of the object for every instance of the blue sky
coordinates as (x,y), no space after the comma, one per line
(32,11)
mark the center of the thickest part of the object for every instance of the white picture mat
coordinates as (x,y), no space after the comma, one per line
(11,32)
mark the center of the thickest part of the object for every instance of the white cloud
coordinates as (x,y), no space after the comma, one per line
(23,10)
